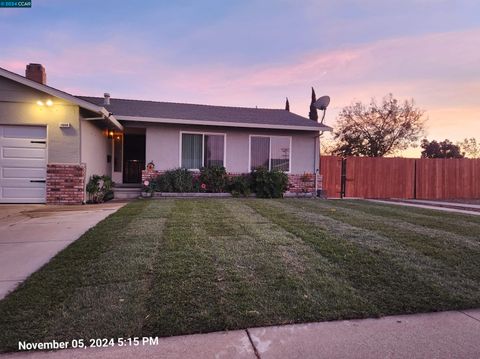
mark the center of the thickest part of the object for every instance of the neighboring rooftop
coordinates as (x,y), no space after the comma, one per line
(124,109)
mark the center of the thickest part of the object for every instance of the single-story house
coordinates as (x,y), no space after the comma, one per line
(51,142)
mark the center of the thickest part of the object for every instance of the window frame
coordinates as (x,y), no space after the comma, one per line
(203,147)
(269,151)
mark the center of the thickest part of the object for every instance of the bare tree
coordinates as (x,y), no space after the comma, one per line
(470,147)
(327,146)
(378,129)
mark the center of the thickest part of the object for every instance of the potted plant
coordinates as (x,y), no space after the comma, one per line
(148,189)
(99,189)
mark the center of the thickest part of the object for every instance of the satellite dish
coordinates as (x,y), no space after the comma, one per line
(322,103)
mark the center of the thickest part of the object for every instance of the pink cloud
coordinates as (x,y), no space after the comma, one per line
(440,71)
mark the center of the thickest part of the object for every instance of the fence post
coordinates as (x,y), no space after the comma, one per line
(415,179)
(343,179)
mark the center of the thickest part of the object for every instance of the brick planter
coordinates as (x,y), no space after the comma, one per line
(65,183)
(191,195)
(304,183)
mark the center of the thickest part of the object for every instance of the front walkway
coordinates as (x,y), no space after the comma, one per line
(454,334)
(30,235)
(436,205)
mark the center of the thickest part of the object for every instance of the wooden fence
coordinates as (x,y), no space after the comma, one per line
(367,177)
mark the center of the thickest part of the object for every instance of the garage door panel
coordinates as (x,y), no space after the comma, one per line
(22,164)
(22,172)
(24,142)
(22,183)
(27,132)
(25,195)
(23,152)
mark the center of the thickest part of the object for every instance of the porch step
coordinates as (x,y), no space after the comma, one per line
(127,192)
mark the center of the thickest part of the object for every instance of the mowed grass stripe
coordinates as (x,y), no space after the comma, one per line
(393,242)
(229,268)
(314,291)
(92,289)
(389,286)
(456,251)
(450,222)
(183,297)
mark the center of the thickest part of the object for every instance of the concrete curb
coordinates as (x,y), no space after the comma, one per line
(452,334)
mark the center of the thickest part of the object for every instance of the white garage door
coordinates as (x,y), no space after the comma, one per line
(23,161)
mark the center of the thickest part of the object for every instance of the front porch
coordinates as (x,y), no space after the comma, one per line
(128,154)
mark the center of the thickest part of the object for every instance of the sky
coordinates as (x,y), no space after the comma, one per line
(258,52)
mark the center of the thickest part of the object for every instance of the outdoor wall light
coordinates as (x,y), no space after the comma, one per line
(109,133)
(49,103)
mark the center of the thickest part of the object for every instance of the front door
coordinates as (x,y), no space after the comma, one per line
(133,158)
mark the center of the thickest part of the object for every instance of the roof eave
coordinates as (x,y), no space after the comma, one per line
(111,118)
(222,124)
(60,94)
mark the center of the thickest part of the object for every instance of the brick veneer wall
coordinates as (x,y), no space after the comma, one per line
(298,183)
(65,183)
(304,183)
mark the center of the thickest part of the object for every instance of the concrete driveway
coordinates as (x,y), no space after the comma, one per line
(30,235)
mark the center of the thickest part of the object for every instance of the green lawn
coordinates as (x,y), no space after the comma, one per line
(169,267)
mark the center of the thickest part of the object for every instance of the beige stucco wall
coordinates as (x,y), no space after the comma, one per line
(163,146)
(95,147)
(18,107)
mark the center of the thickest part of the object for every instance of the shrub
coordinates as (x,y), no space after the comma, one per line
(214,178)
(177,180)
(99,189)
(269,184)
(240,185)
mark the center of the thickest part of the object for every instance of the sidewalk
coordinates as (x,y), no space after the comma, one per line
(446,203)
(454,334)
(439,206)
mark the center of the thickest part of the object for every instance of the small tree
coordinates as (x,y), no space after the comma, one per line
(377,130)
(443,149)
(313,114)
(470,147)
(287,105)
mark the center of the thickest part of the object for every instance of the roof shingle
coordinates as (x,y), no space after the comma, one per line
(207,113)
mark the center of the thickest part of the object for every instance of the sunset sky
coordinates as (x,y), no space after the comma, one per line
(255,53)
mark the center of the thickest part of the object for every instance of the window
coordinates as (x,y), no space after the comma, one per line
(259,152)
(192,150)
(202,150)
(271,152)
(280,153)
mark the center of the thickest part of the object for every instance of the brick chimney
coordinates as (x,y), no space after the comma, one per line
(36,72)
